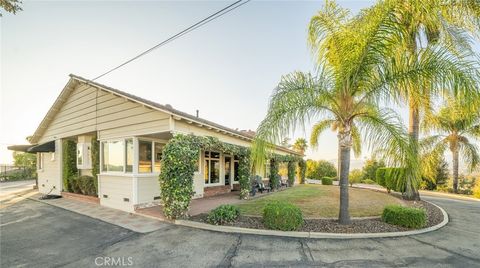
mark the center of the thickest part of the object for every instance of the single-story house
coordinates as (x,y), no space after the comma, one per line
(131,131)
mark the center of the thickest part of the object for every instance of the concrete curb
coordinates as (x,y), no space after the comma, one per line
(239,230)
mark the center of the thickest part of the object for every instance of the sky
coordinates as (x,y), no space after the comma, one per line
(226,69)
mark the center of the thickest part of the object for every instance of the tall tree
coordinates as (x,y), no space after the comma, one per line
(369,170)
(355,70)
(432,24)
(458,127)
(300,145)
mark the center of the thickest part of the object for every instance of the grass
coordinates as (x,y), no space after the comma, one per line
(317,201)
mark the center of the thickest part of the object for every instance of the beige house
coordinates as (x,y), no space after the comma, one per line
(132,132)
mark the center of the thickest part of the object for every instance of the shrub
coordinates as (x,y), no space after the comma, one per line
(355,176)
(476,189)
(282,216)
(223,214)
(327,181)
(368,181)
(73,184)
(69,160)
(86,185)
(404,216)
(394,178)
(380,176)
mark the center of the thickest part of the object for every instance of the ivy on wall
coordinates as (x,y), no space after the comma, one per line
(291,173)
(302,165)
(69,161)
(95,145)
(179,159)
(274,176)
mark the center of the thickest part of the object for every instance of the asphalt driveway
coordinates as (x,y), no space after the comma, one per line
(35,234)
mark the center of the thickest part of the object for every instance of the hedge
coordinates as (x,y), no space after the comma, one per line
(282,216)
(83,185)
(404,216)
(327,181)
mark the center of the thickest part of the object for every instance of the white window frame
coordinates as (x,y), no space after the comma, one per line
(40,163)
(220,173)
(137,155)
(86,148)
(124,157)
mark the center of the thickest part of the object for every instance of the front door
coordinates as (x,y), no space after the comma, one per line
(228,170)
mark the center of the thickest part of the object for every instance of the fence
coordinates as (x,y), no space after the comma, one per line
(16,173)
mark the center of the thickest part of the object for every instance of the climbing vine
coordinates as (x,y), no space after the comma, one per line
(179,160)
(69,161)
(95,145)
(302,165)
(274,176)
(291,173)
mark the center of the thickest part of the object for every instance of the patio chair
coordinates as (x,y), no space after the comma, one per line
(261,186)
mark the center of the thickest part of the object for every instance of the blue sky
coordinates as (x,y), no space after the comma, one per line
(226,69)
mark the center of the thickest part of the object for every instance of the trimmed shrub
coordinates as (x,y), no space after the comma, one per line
(282,216)
(74,185)
(404,216)
(327,181)
(368,181)
(87,185)
(380,176)
(223,214)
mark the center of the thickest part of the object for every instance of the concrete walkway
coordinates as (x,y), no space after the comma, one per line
(126,220)
(15,191)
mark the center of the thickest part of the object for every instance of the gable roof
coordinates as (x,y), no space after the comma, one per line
(75,79)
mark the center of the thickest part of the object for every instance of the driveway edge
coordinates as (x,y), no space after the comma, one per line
(240,230)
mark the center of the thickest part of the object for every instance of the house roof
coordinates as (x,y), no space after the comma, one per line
(163,108)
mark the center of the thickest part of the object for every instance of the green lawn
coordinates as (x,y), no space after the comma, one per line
(323,201)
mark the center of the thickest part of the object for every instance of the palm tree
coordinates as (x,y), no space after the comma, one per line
(430,23)
(300,145)
(458,127)
(353,74)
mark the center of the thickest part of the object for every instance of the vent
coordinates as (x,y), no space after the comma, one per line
(126,199)
(156,197)
(105,196)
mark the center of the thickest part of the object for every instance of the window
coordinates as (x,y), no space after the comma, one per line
(129,155)
(79,154)
(212,167)
(113,156)
(158,157)
(84,155)
(39,161)
(144,156)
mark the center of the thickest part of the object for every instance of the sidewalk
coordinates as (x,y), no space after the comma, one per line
(134,222)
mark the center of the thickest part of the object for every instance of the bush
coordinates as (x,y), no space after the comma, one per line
(74,185)
(380,176)
(476,189)
(87,185)
(327,181)
(404,216)
(394,178)
(282,216)
(355,176)
(368,181)
(223,214)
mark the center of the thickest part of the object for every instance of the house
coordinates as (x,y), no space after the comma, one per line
(131,132)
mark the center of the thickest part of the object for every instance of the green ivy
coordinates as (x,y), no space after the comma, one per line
(274,176)
(180,156)
(302,165)
(69,155)
(95,161)
(291,173)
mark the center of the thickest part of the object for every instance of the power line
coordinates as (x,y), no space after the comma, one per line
(194,26)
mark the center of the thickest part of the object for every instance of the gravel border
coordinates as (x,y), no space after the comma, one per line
(437,218)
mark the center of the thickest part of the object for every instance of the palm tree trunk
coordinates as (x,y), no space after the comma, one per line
(413,132)
(455,170)
(344,145)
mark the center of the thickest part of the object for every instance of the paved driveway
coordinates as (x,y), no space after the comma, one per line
(35,234)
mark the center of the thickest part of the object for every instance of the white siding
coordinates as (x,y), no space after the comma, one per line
(116,188)
(148,188)
(89,109)
(49,176)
